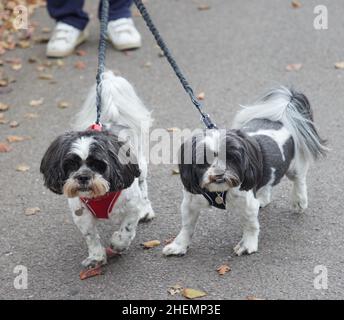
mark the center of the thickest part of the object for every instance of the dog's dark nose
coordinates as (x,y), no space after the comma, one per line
(83,178)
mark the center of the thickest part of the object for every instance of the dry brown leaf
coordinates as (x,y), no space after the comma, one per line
(45,76)
(32,211)
(203,7)
(81,53)
(22,167)
(14,124)
(12,139)
(201,96)
(80,65)
(339,65)
(192,293)
(4,147)
(31,115)
(175,171)
(176,289)
(36,103)
(32,60)
(24,44)
(63,105)
(97,271)
(223,269)
(173,129)
(151,244)
(294,67)
(41,39)
(16,66)
(253,298)
(296,4)
(4,107)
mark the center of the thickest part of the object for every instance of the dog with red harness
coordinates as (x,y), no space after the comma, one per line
(102,169)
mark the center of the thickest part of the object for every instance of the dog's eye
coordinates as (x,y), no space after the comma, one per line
(70,166)
(97,165)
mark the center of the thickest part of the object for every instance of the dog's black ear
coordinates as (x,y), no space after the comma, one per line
(51,164)
(190,172)
(123,163)
(252,164)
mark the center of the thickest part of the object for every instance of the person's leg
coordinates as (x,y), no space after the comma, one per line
(118,9)
(69,12)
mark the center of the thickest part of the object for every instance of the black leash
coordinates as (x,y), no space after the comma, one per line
(104,17)
(146,17)
(102,55)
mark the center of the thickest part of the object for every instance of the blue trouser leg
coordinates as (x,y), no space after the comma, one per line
(70,12)
(119,9)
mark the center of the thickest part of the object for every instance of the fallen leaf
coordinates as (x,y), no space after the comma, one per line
(31,115)
(4,107)
(60,63)
(175,171)
(174,129)
(22,167)
(203,7)
(24,44)
(11,139)
(63,105)
(89,273)
(192,293)
(40,68)
(110,253)
(36,103)
(80,65)
(45,76)
(16,66)
(46,30)
(294,67)
(81,53)
(151,244)
(14,124)
(223,269)
(176,289)
(41,39)
(4,147)
(253,298)
(147,65)
(339,65)
(201,96)
(32,60)
(296,4)
(32,211)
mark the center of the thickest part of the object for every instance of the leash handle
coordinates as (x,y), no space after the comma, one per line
(104,17)
(146,17)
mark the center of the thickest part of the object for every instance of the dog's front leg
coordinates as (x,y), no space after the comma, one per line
(247,206)
(86,223)
(190,209)
(122,238)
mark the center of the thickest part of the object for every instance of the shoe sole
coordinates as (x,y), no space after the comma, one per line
(58,54)
(123,47)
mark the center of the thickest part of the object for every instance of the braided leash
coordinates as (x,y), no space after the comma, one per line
(146,17)
(101,54)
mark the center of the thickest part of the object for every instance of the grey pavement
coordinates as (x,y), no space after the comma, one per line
(233,52)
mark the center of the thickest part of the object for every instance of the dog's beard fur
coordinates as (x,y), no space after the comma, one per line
(229,180)
(97,187)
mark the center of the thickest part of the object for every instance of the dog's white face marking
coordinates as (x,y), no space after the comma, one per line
(280,136)
(81,147)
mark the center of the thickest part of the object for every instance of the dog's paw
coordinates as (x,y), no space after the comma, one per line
(174,249)
(247,245)
(146,216)
(300,206)
(119,243)
(94,261)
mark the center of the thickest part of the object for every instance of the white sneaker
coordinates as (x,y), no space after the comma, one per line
(123,34)
(64,40)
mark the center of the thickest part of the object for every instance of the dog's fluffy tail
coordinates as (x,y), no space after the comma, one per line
(294,111)
(120,105)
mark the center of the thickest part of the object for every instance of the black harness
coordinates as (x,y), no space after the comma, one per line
(216,199)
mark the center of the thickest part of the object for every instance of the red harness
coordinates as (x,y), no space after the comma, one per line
(102,206)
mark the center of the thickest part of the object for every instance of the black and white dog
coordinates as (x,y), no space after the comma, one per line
(239,167)
(101,173)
